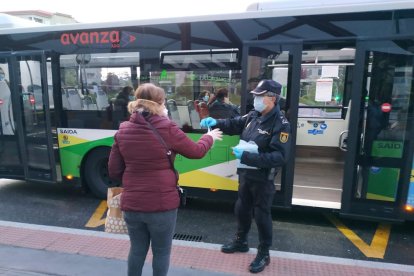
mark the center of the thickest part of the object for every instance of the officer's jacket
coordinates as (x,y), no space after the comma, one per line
(271,132)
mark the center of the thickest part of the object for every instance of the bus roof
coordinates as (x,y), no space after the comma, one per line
(259,10)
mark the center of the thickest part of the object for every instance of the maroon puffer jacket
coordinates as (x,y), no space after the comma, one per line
(139,160)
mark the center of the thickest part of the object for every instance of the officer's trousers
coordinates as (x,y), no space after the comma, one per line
(255,197)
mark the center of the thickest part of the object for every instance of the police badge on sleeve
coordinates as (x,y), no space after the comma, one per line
(284,137)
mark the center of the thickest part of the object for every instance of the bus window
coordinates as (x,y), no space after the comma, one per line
(323,81)
(187,75)
(323,97)
(100,78)
(183,89)
(92,83)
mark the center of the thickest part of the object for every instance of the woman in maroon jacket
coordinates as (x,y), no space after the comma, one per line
(150,199)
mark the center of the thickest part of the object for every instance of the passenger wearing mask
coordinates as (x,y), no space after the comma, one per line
(150,199)
(268,128)
(201,105)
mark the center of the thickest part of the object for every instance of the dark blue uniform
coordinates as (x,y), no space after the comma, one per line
(256,186)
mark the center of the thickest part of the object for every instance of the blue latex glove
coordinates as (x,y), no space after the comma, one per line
(237,152)
(208,122)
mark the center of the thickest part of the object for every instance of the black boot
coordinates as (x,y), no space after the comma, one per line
(237,245)
(260,262)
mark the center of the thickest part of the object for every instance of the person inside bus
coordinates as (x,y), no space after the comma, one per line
(138,158)
(201,104)
(119,105)
(221,107)
(122,99)
(269,129)
(376,122)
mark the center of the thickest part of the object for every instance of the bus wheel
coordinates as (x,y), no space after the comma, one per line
(96,172)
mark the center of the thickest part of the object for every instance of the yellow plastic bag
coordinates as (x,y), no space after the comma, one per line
(114,222)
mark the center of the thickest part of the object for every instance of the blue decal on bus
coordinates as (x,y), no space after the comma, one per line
(375,170)
(410,198)
(315,131)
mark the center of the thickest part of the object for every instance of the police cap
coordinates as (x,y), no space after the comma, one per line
(265,86)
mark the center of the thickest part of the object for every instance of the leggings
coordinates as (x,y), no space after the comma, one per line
(156,228)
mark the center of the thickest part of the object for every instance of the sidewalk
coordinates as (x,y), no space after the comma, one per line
(34,250)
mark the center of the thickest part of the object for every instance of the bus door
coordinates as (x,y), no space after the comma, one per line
(378,164)
(280,62)
(322,123)
(26,139)
(10,158)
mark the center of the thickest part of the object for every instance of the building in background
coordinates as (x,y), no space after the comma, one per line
(44,17)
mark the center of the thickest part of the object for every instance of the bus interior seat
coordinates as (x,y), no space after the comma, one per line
(348,115)
(101,98)
(194,117)
(88,104)
(50,93)
(173,110)
(87,101)
(344,134)
(75,100)
(184,115)
(6,121)
(65,100)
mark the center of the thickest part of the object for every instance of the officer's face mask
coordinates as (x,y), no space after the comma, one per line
(131,98)
(205,98)
(258,103)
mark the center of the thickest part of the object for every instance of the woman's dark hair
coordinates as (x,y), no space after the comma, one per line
(222,93)
(127,90)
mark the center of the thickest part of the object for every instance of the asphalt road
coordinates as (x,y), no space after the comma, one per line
(316,232)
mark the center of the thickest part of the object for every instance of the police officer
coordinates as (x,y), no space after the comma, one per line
(269,129)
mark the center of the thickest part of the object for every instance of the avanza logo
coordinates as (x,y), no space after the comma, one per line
(90,38)
(97,38)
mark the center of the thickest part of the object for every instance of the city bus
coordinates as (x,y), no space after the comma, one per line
(346,71)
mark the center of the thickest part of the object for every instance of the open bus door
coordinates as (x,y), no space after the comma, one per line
(26,146)
(281,62)
(379,147)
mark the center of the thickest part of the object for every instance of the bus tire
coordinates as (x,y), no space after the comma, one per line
(96,172)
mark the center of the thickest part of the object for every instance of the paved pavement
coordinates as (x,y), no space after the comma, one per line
(33,250)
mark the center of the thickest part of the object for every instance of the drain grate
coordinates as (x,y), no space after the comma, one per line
(186,237)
